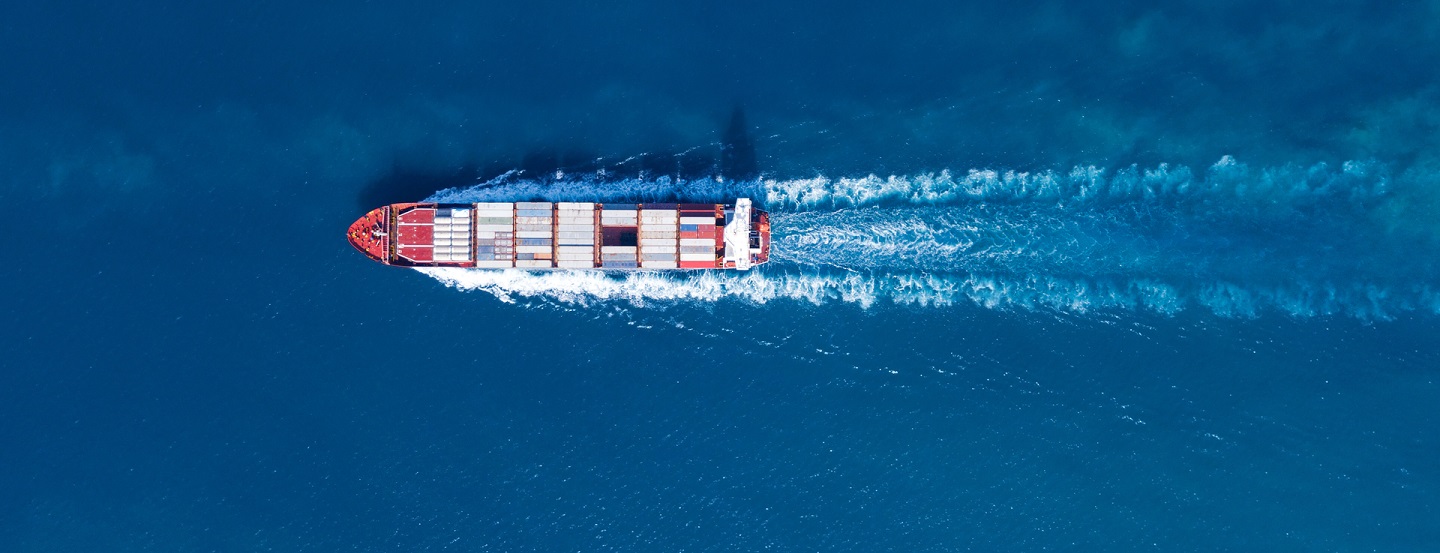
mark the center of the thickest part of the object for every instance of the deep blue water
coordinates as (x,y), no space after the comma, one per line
(1047,277)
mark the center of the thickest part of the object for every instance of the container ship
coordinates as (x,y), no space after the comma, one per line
(565,235)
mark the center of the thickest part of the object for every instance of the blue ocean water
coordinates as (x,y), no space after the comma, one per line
(1046,277)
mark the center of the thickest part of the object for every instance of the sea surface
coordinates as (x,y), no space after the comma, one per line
(1076,276)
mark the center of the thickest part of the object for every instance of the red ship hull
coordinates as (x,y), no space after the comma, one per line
(544,235)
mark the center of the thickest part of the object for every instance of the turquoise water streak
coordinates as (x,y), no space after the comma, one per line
(1048,276)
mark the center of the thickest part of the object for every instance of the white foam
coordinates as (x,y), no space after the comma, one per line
(1025,293)
(1159,240)
(1227,179)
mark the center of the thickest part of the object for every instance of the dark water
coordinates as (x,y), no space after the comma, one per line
(1048,276)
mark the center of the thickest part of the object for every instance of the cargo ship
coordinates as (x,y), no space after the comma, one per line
(565,235)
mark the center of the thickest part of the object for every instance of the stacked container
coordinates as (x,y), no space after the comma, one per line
(494,235)
(575,236)
(534,235)
(452,235)
(698,237)
(618,256)
(659,236)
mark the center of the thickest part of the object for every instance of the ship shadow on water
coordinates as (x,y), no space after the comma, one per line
(412,178)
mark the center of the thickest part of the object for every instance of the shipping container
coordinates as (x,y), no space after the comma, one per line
(533,234)
(527,264)
(659,265)
(658,256)
(618,249)
(495,264)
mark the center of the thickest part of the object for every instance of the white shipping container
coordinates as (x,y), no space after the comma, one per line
(576,205)
(697,220)
(532,249)
(495,228)
(494,205)
(617,249)
(533,263)
(698,249)
(576,228)
(648,241)
(577,249)
(697,242)
(659,265)
(645,232)
(494,264)
(574,257)
(575,235)
(576,264)
(532,234)
(697,257)
(532,220)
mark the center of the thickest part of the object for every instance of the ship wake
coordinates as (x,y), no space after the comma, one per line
(1234,241)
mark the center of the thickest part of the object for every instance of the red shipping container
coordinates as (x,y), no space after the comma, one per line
(418,254)
(697,265)
(424,216)
(416,234)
